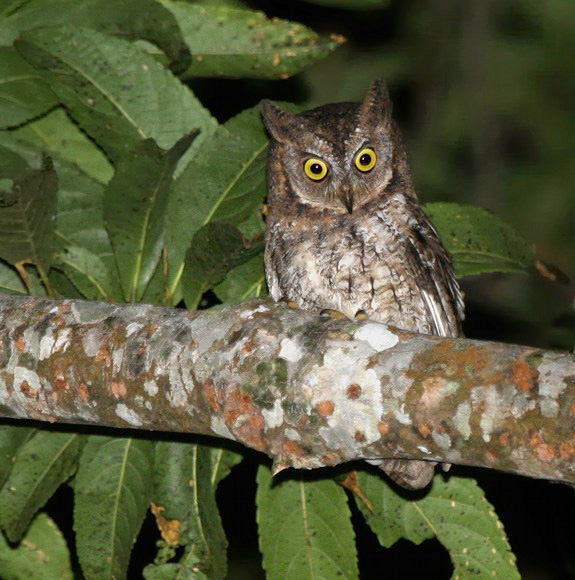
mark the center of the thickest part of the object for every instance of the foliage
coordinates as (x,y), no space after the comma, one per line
(118,183)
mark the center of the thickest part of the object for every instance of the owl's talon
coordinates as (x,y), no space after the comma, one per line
(292,304)
(361,315)
(331,313)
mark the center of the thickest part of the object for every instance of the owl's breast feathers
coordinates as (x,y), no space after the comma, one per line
(386,259)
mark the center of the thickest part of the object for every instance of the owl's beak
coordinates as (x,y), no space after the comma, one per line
(346,198)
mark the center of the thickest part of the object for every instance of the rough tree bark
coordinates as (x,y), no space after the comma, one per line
(308,392)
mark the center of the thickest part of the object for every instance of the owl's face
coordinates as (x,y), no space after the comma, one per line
(336,156)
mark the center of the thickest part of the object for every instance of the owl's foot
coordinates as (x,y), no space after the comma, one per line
(361,315)
(331,313)
(292,304)
(408,473)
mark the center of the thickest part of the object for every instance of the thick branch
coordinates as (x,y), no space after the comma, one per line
(308,392)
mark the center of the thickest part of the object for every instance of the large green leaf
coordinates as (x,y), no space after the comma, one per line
(117,93)
(59,137)
(112,493)
(185,490)
(43,463)
(11,439)
(27,216)
(245,281)
(23,93)
(244,43)
(305,529)
(478,240)
(42,554)
(146,19)
(454,511)
(216,249)
(135,206)
(224,182)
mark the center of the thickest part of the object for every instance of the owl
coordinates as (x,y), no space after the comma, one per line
(346,232)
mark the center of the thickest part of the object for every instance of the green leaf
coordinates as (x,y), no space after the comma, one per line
(23,93)
(222,461)
(118,94)
(454,511)
(184,487)
(43,463)
(59,137)
(231,190)
(42,554)
(244,43)
(478,240)
(245,281)
(27,216)
(305,529)
(112,492)
(135,205)
(11,439)
(215,250)
(146,19)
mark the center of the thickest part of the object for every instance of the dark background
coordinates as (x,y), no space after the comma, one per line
(483,91)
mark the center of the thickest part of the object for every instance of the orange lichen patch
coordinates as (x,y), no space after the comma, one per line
(245,419)
(170,529)
(572,410)
(353,391)
(104,355)
(566,450)
(523,376)
(359,436)
(30,392)
(210,395)
(325,408)
(544,452)
(491,456)
(20,343)
(83,393)
(119,389)
(61,384)
(383,428)
(535,440)
(424,430)
(330,459)
(292,449)
(541,450)
(503,439)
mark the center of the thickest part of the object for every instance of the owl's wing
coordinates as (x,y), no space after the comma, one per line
(438,283)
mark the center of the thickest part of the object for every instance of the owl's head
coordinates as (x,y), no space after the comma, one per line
(337,156)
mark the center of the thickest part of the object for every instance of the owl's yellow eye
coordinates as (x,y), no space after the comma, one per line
(365,159)
(315,169)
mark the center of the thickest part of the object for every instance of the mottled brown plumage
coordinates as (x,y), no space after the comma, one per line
(355,240)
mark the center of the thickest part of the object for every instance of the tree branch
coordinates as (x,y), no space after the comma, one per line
(306,391)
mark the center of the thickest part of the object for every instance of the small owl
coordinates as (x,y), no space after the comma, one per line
(345,230)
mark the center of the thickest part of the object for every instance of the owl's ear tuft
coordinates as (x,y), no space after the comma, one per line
(278,122)
(376,108)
